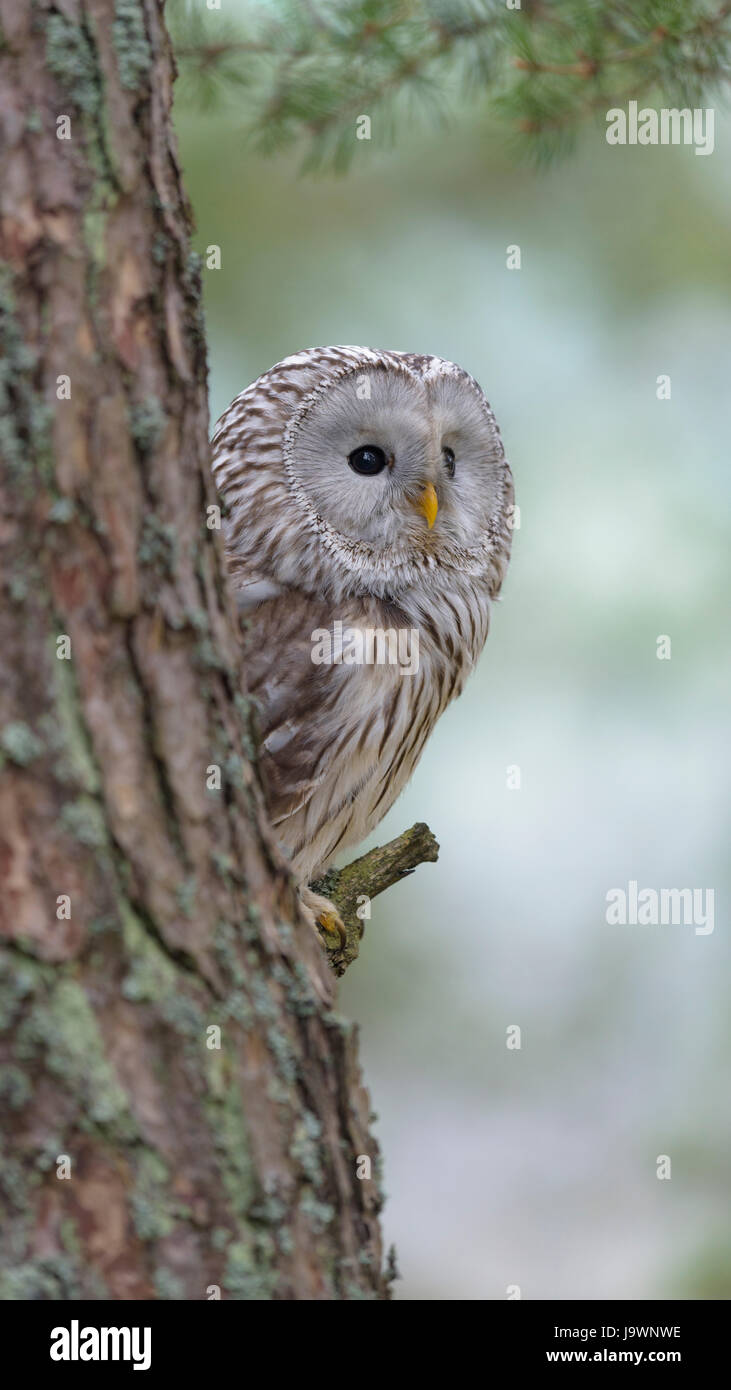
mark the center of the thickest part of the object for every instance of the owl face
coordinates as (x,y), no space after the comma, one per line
(351,471)
(399,461)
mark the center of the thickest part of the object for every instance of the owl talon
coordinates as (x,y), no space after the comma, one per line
(323,917)
(332,925)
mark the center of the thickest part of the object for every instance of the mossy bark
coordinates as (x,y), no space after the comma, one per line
(182,1110)
(352,888)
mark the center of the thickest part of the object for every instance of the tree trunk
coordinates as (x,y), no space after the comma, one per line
(182,1112)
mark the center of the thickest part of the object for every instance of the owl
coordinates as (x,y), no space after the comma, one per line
(368,529)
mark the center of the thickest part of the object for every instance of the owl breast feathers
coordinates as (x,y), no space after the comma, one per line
(369,525)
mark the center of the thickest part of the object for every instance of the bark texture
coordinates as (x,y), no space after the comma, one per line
(145,915)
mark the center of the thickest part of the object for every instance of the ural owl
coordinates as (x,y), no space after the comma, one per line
(369,503)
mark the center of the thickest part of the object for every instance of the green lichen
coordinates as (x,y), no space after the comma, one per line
(224,945)
(319,1214)
(278,1093)
(338,1022)
(211,659)
(103,924)
(227,1122)
(25,419)
(147,424)
(69,1236)
(269,1209)
(19,588)
(152,975)
(250,1272)
(50,1278)
(285,1241)
(297,986)
(152,1210)
(18,982)
(238,1007)
(61,1032)
(185,894)
(246,710)
(15,1088)
(356,1293)
(157,544)
(192,273)
(17,1182)
(95,230)
(233,770)
(219,1238)
(20,744)
(223,863)
(167,1285)
(198,619)
(305,1147)
(251,926)
(48,1152)
(134,55)
(283,1052)
(216,1070)
(84,820)
(285,931)
(62,511)
(67,732)
(264,1004)
(184,1015)
(70,57)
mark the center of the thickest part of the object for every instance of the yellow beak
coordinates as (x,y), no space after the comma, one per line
(428,504)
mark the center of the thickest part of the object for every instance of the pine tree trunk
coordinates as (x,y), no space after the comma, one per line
(145,914)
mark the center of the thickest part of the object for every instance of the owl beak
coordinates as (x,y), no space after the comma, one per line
(428,505)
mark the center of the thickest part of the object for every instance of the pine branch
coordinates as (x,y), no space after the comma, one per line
(366,877)
(305,70)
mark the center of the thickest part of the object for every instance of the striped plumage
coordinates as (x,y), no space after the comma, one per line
(311,542)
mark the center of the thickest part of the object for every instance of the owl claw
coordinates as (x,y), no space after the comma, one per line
(332,924)
(323,917)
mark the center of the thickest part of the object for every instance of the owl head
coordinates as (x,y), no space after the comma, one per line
(351,470)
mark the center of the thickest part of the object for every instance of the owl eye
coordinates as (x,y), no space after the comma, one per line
(368,460)
(448,456)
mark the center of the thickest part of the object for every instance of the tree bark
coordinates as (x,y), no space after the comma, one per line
(182,1110)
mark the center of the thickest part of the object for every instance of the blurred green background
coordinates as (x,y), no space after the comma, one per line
(538,1167)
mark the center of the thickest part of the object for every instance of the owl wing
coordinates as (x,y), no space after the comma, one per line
(294,696)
